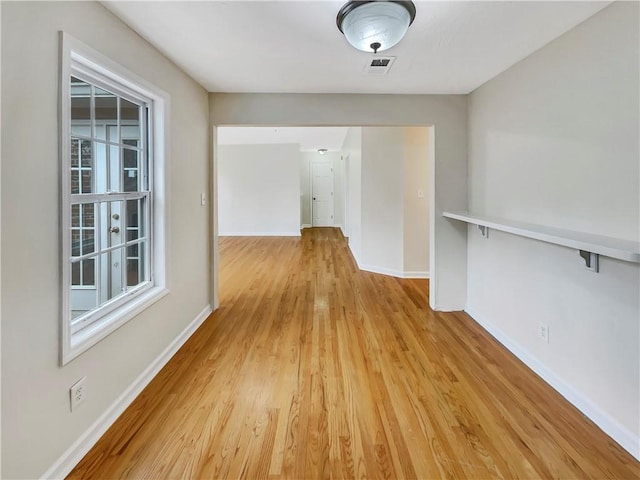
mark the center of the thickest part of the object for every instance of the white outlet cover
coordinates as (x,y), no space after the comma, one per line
(77,393)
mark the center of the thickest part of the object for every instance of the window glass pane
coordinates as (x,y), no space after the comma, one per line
(115,170)
(85,181)
(135,269)
(133,274)
(114,231)
(86,160)
(75,273)
(101,167)
(75,181)
(135,219)
(88,272)
(81,128)
(80,110)
(130,177)
(75,242)
(75,147)
(130,158)
(132,251)
(132,234)
(81,166)
(111,265)
(130,120)
(80,101)
(75,215)
(88,217)
(88,241)
(106,115)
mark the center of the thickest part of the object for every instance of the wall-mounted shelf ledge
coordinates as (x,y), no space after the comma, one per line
(626,250)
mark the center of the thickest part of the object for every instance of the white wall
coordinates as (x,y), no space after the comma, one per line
(37,426)
(447,113)
(259,190)
(554,141)
(353,149)
(339,198)
(416,209)
(382,199)
(305,189)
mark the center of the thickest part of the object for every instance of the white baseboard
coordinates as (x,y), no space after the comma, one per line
(386,271)
(305,225)
(391,272)
(63,466)
(408,274)
(259,234)
(380,270)
(620,434)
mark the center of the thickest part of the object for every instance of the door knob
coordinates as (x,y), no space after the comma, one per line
(114,229)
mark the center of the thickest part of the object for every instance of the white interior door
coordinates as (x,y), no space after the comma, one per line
(322,194)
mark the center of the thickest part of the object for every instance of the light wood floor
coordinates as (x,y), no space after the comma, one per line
(313,369)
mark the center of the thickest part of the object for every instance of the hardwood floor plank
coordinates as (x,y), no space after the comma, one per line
(312,369)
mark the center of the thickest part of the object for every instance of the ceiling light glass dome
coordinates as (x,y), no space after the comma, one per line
(375,25)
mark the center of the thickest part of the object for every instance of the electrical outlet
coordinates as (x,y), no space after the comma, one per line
(78,392)
(543,331)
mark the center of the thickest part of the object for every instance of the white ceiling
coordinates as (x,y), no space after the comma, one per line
(295,46)
(309,138)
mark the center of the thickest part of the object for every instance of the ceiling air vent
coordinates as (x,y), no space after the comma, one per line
(379,65)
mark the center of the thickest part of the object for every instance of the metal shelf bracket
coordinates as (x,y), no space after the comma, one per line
(484,231)
(591,260)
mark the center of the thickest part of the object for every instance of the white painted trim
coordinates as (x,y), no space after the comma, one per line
(387,271)
(619,433)
(433,261)
(259,234)
(305,225)
(392,272)
(354,254)
(419,274)
(213,218)
(69,459)
(381,270)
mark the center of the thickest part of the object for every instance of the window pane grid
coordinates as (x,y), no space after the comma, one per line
(112,248)
(110,251)
(79,136)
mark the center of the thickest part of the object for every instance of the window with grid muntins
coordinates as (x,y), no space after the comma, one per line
(108,162)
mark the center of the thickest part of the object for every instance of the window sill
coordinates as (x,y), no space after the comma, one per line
(92,334)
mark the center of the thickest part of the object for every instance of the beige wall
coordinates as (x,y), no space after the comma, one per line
(554,141)
(416,209)
(448,115)
(353,172)
(37,426)
(382,199)
(395,222)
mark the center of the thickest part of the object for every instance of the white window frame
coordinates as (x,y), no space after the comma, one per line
(76,57)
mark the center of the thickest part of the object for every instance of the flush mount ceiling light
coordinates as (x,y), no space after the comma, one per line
(322,151)
(375,25)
